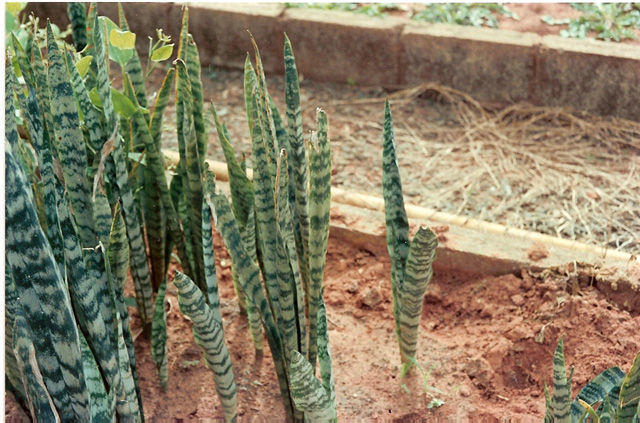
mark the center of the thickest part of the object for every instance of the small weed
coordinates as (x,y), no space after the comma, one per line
(471,14)
(370,9)
(435,403)
(610,21)
(190,363)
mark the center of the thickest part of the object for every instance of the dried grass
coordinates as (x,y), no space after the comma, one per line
(545,169)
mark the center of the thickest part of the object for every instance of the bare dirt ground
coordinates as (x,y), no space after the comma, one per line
(486,344)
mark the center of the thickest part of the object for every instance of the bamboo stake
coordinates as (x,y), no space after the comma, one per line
(375,203)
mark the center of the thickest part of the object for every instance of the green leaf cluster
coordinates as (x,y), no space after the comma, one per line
(612,396)
(369,9)
(610,21)
(70,355)
(411,261)
(470,14)
(276,232)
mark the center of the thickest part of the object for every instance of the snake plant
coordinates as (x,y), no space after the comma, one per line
(612,396)
(411,261)
(71,355)
(277,234)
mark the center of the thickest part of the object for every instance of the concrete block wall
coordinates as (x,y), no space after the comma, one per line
(491,65)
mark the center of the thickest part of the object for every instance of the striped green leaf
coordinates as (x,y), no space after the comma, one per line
(139,263)
(324,355)
(159,352)
(77,14)
(211,278)
(319,204)
(291,318)
(42,295)
(395,216)
(629,403)
(249,277)
(208,334)
(192,168)
(13,373)
(418,273)
(193,68)
(308,393)
(298,156)
(89,295)
(155,214)
(70,142)
(101,54)
(39,138)
(561,399)
(597,389)
(102,405)
(133,67)
(118,258)
(40,402)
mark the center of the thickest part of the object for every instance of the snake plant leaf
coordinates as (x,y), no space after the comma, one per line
(253,314)
(22,60)
(133,67)
(155,215)
(418,273)
(208,334)
(606,411)
(629,402)
(139,263)
(155,162)
(249,277)
(265,212)
(39,138)
(291,319)
(102,217)
(70,142)
(40,402)
(324,354)
(193,168)
(91,117)
(102,405)
(159,352)
(211,294)
(77,14)
(319,204)
(13,374)
(193,68)
(118,259)
(240,186)
(561,399)
(42,294)
(297,153)
(264,111)
(597,389)
(162,100)
(308,393)
(43,95)
(101,54)
(396,218)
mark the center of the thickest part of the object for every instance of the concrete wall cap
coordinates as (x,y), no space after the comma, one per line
(261,9)
(336,17)
(469,33)
(591,46)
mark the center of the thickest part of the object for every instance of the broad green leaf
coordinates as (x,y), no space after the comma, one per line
(95,98)
(162,53)
(122,39)
(121,104)
(83,65)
